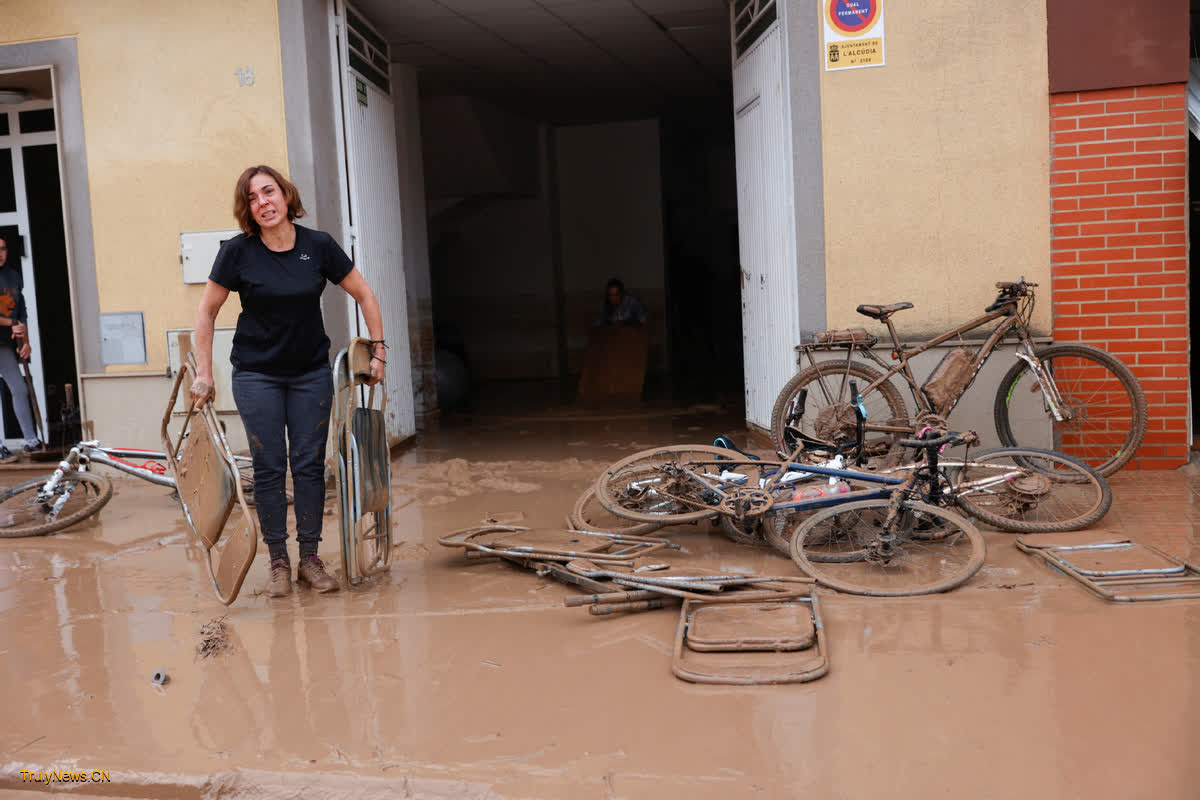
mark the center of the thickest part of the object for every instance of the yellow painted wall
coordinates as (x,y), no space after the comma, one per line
(168,129)
(936,165)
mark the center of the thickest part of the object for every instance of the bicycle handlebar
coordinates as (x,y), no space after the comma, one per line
(1009,292)
(951,438)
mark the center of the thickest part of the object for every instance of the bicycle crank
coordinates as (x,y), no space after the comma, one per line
(745,503)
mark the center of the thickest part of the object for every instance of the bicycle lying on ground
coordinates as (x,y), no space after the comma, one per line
(1013,489)
(901,525)
(72,492)
(1094,405)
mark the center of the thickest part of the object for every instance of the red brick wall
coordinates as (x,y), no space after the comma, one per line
(1118,175)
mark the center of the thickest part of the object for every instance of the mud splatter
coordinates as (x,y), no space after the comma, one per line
(214,639)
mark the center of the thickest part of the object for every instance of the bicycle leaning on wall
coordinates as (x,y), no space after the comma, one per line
(1085,401)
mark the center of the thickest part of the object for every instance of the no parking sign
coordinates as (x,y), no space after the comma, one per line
(853,33)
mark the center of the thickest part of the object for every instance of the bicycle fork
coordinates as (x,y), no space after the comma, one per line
(1045,382)
(50,488)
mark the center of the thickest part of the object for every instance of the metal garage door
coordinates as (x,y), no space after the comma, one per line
(766,232)
(374,218)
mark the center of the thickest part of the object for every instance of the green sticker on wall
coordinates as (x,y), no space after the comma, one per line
(360,89)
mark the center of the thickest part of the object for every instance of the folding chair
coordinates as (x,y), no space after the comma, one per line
(207,481)
(751,644)
(357,453)
(1118,569)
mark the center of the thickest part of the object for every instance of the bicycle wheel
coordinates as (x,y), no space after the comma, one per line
(23,514)
(589,515)
(1105,400)
(664,485)
(1030,491)
(828,415)
(949,551)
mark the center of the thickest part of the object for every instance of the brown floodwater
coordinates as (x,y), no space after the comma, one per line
(445,678)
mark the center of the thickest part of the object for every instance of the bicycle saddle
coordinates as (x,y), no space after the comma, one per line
(882,312)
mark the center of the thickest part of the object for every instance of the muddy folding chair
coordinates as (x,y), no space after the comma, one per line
(750,644)
(1118,569)
(357,454)
(209,485)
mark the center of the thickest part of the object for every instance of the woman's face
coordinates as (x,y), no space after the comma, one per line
(268,205)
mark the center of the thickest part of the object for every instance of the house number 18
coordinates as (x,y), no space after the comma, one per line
(245,76)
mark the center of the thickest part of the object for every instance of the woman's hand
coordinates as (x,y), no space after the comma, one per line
(20,330)
(202,390)
(23,350)
(378,368)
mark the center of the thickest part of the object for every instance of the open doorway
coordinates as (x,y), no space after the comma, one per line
(566,145)
(31,212)
(529,221)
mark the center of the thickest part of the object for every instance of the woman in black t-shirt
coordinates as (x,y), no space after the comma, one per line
(281,379)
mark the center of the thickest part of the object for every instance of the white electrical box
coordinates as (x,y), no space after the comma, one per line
(198,249)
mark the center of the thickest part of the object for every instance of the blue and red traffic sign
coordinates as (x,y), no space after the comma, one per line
(852,17)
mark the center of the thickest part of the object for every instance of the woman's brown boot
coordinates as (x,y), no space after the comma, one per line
(280,584)
(312,571)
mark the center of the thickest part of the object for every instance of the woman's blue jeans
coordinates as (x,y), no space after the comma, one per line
(287,421)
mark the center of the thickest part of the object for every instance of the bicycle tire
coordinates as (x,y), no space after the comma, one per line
(1056,493)
(619,492)
(97,490)
(1106,451)
(919,566)
(589,515)
(885,401)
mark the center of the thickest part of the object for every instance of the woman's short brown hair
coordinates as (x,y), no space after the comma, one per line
(241,197)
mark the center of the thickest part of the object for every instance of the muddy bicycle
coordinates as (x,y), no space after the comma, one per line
(1014,489)
(1093,404)
(927,546)
(73,492)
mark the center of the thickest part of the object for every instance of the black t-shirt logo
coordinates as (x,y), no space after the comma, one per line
(304,256)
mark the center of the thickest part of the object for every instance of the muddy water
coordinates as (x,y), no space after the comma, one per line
(449,679)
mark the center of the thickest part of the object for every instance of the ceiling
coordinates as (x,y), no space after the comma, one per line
(565,60)
(35,81)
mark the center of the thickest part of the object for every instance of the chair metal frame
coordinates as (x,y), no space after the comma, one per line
(812,662)
(1120,584)
(212,487)
(364,512)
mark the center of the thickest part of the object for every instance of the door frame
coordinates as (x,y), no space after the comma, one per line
(15,140)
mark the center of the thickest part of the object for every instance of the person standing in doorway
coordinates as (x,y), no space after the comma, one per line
(282,383)
(14,349)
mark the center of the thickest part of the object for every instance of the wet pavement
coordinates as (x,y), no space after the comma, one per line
(448,679)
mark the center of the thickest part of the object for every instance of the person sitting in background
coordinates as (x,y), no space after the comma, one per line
(620,308)
(14,348)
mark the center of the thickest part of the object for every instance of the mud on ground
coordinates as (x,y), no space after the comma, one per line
(444,679)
